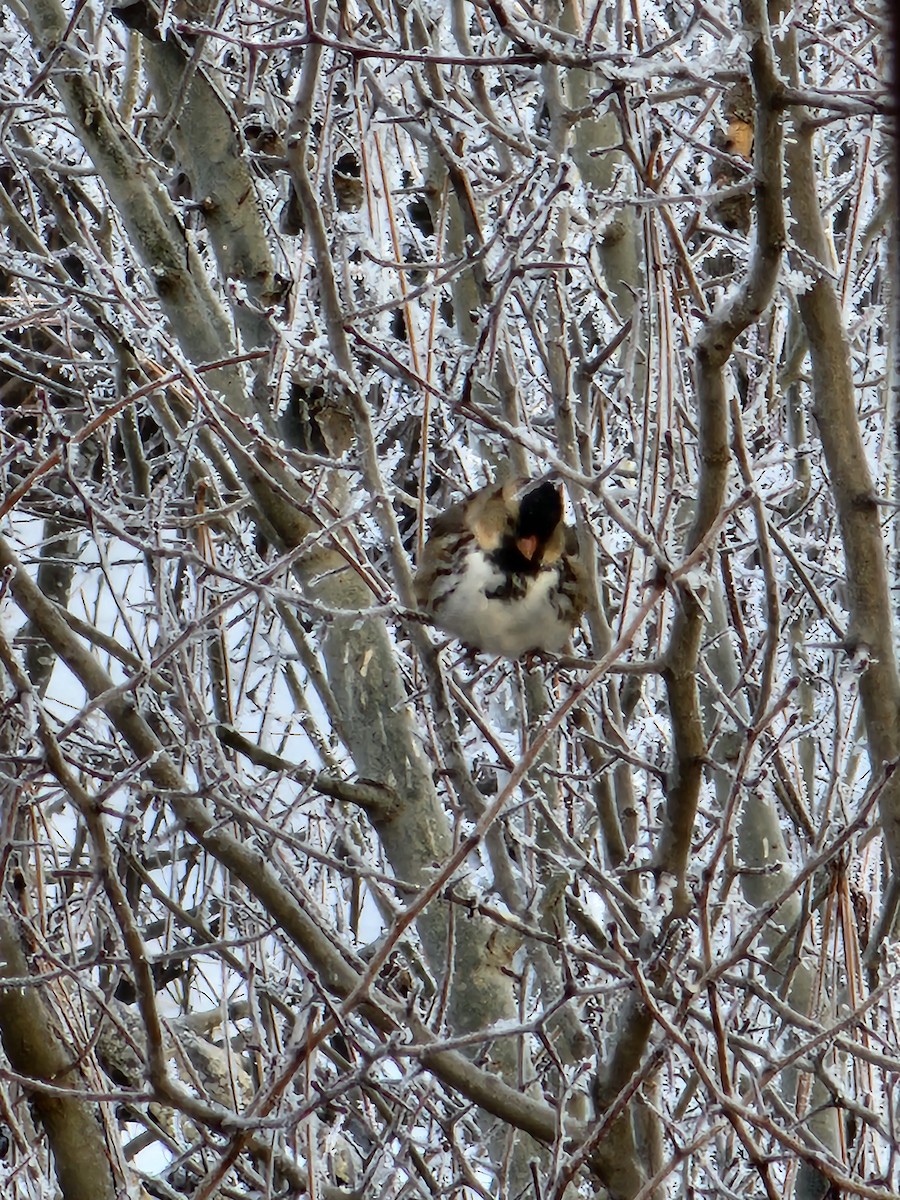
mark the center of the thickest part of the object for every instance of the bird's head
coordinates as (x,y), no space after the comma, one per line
(539,520)
(523,518)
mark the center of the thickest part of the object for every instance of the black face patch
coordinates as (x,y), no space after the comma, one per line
(540,512)
(509,559)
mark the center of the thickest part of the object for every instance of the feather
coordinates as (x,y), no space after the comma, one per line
(500,570)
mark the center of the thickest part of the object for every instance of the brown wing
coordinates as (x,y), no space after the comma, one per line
(442,534)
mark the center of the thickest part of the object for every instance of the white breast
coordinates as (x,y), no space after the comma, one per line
(511,627)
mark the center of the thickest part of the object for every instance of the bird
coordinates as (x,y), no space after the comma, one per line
(500,570)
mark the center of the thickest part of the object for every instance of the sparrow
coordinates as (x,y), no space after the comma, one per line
(500,570)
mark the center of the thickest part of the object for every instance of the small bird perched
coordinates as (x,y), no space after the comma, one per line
(500,570)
